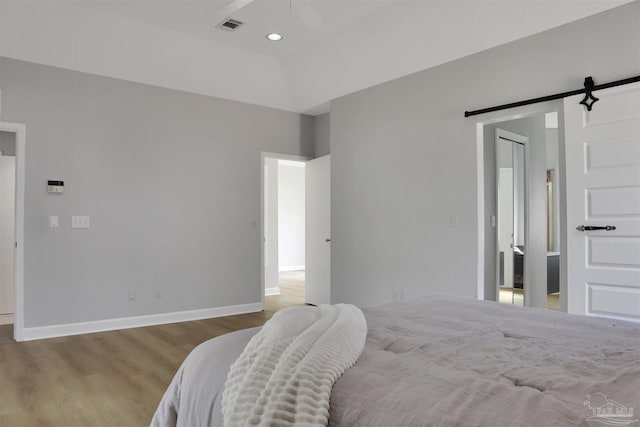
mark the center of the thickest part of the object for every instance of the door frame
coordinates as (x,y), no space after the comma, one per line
(523,140)
(18,281)
(263,156)
(500,116)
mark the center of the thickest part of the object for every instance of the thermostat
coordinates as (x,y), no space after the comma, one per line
(55,186)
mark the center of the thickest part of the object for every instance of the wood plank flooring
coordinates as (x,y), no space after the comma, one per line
(6,333)
(110,378)
(516,297)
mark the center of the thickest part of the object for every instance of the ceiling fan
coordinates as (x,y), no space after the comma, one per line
(302,8)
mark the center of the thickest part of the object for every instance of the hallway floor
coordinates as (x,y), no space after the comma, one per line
(291,285)
(516,297)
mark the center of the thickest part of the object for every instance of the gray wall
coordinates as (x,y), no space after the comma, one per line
(404,158)
(322,135)
(171,181)
(8,143)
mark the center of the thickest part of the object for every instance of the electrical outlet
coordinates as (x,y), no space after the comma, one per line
(80,222)
(132,295)
(403,293)
(158,291)
(396,295)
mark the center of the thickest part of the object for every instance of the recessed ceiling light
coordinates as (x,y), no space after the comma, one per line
(274,37)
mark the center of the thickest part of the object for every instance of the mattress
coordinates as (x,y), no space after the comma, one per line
(440,361)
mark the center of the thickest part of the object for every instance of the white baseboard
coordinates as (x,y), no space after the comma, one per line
(291,268)
(272,291)
(52,331)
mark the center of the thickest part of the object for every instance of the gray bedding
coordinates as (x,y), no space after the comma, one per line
(437,361)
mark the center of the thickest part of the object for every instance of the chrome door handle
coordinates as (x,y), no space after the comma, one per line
(593,228)
(327,240)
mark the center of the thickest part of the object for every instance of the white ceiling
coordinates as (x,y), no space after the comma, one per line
(358,44)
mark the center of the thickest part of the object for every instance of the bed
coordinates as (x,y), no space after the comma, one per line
(441,361)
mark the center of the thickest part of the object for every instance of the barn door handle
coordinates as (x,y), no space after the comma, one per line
(592,228)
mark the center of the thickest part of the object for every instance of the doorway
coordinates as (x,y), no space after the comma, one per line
(7,232)
(592,200)
(12,152)
(519,210)
(283,225)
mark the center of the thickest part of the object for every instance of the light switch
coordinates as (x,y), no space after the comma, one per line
(53,221)
(454,221)
(79,222)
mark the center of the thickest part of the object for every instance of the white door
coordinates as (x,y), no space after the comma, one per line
(603,189)
(7,228)
(318,230)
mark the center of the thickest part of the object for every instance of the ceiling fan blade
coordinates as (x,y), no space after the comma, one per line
(307,13)
(233,7)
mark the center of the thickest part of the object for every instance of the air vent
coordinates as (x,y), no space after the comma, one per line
(229,25)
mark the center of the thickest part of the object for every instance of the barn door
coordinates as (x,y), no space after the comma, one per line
(603,203)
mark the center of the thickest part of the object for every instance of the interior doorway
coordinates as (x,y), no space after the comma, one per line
(12,152)
(520,209)
(592,198)
(7,232)
(283,224)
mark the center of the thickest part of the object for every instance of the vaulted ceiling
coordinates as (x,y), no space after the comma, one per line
(330,47)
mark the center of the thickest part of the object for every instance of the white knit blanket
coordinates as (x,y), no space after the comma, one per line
(285,374)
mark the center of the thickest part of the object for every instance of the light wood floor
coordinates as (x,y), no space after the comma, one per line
(291,285)
(516,297)
(111,378)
